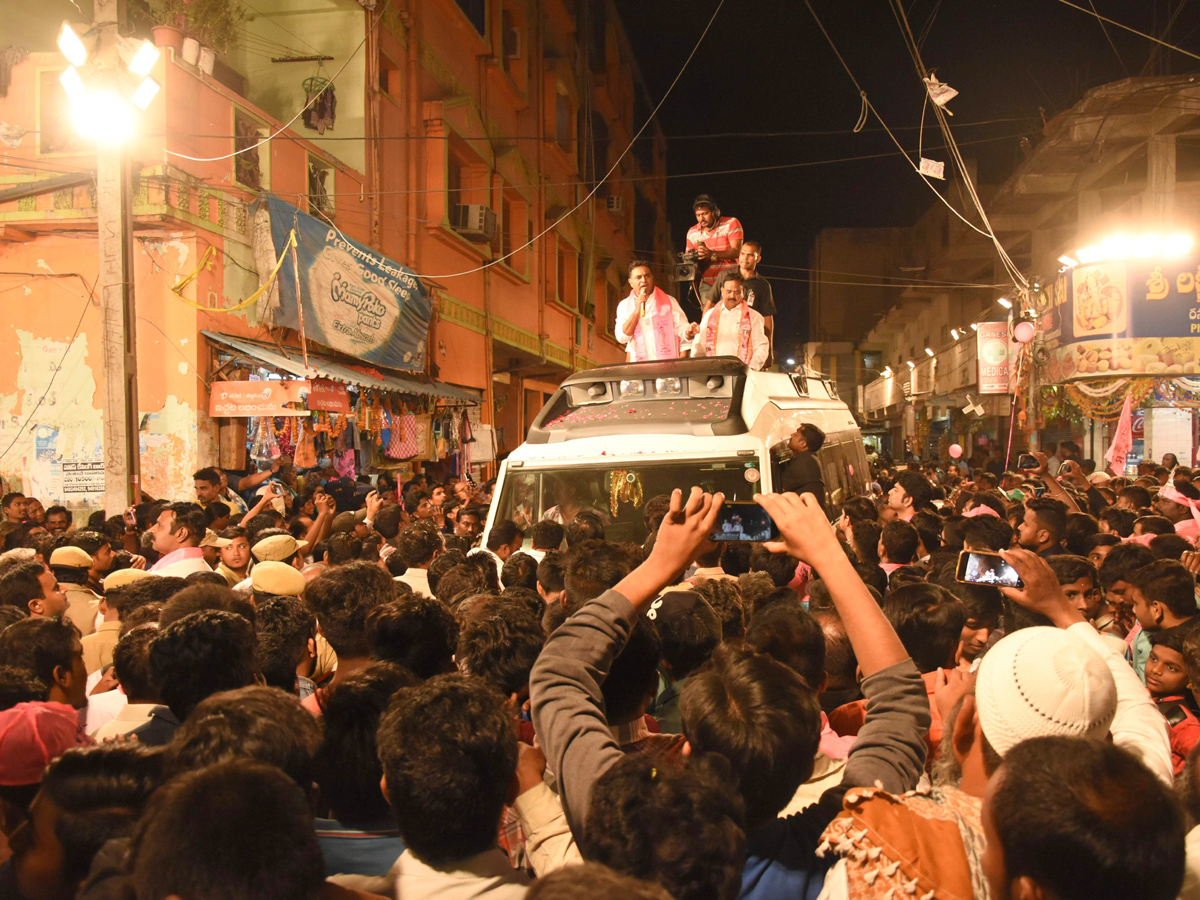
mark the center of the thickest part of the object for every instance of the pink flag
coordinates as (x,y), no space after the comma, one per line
(1123,439)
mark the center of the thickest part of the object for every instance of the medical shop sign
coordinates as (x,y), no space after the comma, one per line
(995,354)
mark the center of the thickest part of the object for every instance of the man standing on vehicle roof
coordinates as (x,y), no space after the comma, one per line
(758,291)
(717,240)
(650,322)
(732,328)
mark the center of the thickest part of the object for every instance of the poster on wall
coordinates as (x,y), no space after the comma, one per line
(1123,317)
(351,296)
(74,479)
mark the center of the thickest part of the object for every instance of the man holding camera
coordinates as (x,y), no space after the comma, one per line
(716,240)
(650,322)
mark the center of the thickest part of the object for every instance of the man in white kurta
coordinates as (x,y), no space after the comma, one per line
(732,328)
(650,323)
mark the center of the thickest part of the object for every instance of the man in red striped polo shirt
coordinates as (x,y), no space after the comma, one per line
(717,240)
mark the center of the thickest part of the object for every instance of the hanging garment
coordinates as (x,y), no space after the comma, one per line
(306,450)
(404,439)
(321,112)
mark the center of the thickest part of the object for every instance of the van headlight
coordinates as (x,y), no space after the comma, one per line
(667,387)
(630,389)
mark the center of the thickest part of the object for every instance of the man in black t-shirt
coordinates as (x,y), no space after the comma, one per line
(802,474)
(758,292)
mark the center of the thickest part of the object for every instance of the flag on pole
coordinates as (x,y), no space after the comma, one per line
(1123,439)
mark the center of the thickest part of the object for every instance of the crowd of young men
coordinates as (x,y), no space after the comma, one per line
(335,693)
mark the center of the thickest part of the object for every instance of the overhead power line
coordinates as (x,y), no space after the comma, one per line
(1142,34)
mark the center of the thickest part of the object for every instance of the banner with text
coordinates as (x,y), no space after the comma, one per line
(995,356)
(1123,317)
(351,297)
(328,396)
(256,398)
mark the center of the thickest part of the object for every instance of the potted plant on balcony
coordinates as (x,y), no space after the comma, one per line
(216,24)
(168,17)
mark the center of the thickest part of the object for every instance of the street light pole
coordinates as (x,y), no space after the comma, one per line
(114,209)
(122,456)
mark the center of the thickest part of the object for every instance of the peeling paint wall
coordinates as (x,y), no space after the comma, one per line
(54,447)
(169,450)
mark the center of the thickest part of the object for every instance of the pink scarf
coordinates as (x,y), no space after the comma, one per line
(1189,528)
(661,324)
(710,336)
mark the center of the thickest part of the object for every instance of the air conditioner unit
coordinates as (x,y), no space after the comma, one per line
(475,222)
(615,204)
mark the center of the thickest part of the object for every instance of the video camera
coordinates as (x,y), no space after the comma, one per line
(686,268)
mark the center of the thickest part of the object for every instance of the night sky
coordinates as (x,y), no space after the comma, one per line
(765,67)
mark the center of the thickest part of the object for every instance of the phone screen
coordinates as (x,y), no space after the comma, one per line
(980,567)
(744,522)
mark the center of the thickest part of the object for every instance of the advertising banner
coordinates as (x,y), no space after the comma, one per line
(1123,317)
(995,354)
(328,396)
(256,398)
(352,298)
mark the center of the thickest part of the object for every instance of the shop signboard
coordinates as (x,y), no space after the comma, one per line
(328,396)
(995,354)
(256,398)
(1123,317)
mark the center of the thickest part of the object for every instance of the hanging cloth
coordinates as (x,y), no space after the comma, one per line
(306,449)
(321,104)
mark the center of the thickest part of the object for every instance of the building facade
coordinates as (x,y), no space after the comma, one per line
(465,138)
(1125,159)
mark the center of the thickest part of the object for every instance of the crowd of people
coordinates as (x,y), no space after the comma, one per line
(297,688)
(737,308)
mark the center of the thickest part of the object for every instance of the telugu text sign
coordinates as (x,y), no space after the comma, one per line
(256,398)
(328,396)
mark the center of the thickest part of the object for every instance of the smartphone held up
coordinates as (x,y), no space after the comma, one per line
(984,567)
(741,521)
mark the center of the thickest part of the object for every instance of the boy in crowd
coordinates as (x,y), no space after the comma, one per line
(1163,596)
(897,545)
(1168,683)
(911,493)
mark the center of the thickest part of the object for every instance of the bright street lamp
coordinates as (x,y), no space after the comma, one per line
(106,87)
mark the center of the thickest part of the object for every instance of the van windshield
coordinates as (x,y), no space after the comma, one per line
(616,492)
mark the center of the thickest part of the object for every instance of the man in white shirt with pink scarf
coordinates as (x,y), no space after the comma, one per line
(732,328)
(650,322)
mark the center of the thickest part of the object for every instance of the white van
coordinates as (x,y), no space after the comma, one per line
(610,439)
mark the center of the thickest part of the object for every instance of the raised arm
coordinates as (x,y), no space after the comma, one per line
(564,687)
(890,748)
(1138,726)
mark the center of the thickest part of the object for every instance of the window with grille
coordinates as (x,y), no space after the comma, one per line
(320,188)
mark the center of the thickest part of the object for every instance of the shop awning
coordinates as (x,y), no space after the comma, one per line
(320,366)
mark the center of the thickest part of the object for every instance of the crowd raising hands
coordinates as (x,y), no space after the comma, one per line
(299,688)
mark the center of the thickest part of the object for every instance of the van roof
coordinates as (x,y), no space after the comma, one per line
(706,396)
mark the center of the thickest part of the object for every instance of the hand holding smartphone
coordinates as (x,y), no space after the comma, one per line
(740,521)
(986,567)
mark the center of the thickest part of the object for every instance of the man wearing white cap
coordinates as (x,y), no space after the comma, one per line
(1036,682)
